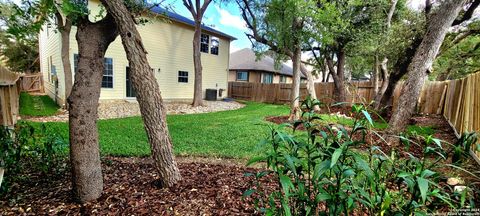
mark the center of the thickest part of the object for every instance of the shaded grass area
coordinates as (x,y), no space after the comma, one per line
(33,105)
(231,134)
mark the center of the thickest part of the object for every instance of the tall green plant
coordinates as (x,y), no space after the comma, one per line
(322,172)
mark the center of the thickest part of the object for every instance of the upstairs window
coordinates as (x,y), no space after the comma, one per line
(215,45)
(182,76)
(204,43)
(242,76)
(107,79)
(283,79)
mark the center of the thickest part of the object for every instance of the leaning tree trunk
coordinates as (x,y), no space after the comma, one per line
(65,27)
(422,61)
(295,94)
(148,93)
(310,85)
(197,61)
(93,40)
(67,67)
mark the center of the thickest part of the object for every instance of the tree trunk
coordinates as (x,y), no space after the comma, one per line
(148,93)
(422,61)
(197,61)
(325,74)
(338,77)
(65,27)
(67,67)
(384,67)
(310,85)
(375,75)
(295,94)
(93,40)
(386,83)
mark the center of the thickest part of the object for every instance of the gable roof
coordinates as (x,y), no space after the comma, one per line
(181,19)
(245,59)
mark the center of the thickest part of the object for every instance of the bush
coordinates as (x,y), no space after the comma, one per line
(322,172)
(24,147)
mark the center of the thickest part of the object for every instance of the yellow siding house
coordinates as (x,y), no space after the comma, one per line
(170,54)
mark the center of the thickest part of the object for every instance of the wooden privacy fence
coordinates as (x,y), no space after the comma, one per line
(280,93)
(9,97)
(462,106)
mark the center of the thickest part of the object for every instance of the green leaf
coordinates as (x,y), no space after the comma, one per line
(423,186)
(286,184)
(255,160)
(248,193)
(290,163)
(349,172)
(427,173)
(367,115)
(286,208)
(335,156)
(322,197)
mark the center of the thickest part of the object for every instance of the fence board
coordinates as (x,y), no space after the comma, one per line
(9,97)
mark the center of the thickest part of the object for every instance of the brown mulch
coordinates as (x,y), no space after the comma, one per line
(130,189)
(443,131)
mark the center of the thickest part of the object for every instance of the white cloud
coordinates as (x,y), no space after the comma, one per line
(228,19)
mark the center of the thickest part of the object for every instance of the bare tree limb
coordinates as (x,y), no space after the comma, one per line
(468,14)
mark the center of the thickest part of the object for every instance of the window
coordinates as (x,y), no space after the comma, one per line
(267,78)
(107,79)
(242,76)
(182,76)
(54,73)
(215,44)
(204,41)
(283,79)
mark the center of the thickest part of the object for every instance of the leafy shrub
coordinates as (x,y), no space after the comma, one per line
(39,150)
(322,172)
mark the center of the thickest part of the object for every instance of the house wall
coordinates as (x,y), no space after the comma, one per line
(255,77)
(169,47)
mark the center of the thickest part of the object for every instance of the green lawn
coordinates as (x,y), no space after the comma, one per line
(37,105)
(229,134)
(232,134)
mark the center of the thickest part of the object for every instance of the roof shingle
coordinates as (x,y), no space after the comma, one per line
(245,59)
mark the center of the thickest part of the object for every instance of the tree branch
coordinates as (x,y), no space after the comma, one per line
(468,14)
(246,13)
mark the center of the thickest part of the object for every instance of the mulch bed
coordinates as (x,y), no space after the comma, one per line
(130,189)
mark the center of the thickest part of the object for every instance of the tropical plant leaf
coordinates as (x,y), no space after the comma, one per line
(423,187)
(336,154)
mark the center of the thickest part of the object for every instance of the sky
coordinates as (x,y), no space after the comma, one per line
(227,18)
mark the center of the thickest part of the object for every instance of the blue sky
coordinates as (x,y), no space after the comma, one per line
(223,17)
